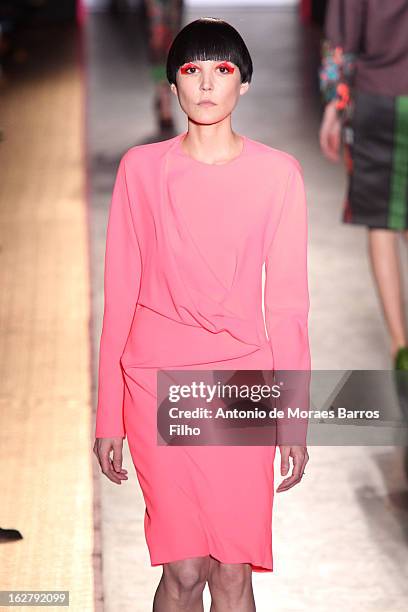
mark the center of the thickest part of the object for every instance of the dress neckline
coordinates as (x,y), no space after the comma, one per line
(180,150)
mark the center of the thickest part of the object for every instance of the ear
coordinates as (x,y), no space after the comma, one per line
(173,88)
(243,88)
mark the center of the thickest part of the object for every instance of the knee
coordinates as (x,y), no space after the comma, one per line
(186,576)
(231,578)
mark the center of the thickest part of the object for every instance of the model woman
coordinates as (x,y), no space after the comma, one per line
(364,81)
(192,221)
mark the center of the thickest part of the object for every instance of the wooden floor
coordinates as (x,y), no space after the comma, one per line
(45,416)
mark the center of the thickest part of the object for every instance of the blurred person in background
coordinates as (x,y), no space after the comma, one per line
(364,83)
(164,21)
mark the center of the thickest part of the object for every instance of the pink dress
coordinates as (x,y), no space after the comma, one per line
(186,243)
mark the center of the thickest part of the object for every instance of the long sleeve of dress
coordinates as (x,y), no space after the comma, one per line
(286,304)
(286,300)
(121,291)
(340,46)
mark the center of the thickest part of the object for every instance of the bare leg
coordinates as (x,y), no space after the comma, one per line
(181,586)
(385,264)
(230,586)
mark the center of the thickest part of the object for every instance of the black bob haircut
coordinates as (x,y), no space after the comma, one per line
(208,38)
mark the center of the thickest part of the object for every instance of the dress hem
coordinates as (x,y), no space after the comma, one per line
(256,567)
(373,225)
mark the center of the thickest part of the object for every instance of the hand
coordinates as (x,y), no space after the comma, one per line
(111,468)
(330,132)
(300,457)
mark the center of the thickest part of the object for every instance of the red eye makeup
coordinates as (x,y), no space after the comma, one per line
(228,66)
(185,67)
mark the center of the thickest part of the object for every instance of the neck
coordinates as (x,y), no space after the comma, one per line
(216,143)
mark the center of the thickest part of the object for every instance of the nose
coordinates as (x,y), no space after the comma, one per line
(206,82)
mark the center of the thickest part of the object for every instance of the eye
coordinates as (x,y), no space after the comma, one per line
(185,69)
(226,68)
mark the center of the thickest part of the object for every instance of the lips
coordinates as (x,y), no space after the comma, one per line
(206,103)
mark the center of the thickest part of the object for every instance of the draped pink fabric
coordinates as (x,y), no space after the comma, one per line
(186,243)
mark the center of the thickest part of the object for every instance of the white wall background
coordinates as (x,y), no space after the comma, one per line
(102,4)
(241,2)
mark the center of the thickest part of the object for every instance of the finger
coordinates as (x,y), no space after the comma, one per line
(116,463)
(117,457)
(284,451)
(298,460)
(120,474)
(107,467)
(304,463)
(286,484)
(104,460)
(112,475)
